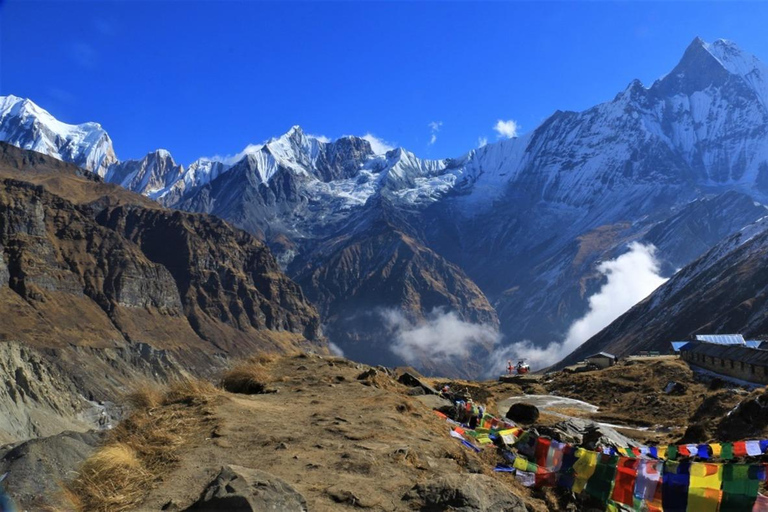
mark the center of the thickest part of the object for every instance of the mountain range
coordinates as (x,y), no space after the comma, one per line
(508,236)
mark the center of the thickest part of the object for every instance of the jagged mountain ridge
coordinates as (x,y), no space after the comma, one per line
(101,287)
(525,220)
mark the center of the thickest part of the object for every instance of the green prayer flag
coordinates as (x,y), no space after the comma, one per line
(739,490)
(600,484)
(727,451)
(671,452)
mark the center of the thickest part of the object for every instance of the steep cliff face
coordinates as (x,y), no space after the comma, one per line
(88,269)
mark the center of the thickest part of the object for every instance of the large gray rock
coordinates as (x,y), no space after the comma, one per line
(36,467)
(586,433)
(240,489)
(464,493)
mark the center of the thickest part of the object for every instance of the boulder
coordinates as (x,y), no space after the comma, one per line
(586,433)
(36,467)
(464,493)
(522,412)
(240,489)
(411,381)
(675,388)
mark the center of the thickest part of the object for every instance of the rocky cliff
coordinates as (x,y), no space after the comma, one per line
(92,275)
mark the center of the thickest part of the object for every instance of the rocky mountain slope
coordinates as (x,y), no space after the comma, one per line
(726,290)
(520,224)
(100,286)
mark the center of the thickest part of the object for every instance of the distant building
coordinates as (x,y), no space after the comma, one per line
(737,361)
(720,339)
(677,345)
(602,359)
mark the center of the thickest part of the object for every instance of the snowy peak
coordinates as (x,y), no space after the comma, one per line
(152,176)
(27,126)
(697,70)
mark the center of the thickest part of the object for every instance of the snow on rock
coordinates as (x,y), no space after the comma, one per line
(26,125)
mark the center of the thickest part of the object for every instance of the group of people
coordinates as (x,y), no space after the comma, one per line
(464,409)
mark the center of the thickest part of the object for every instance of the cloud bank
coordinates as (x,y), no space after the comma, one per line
(506,129)
(631,277)
(379,146)
(439,336)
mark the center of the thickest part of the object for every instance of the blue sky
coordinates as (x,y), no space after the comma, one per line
(205,78)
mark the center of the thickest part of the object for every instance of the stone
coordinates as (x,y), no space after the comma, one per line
(675,388)
(416,391)
(522,412)
(411,380)
(464,493)
(240,489)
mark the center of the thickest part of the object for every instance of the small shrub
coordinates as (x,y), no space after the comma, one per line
(249,378)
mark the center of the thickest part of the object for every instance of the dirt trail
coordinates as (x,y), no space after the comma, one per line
(338,441)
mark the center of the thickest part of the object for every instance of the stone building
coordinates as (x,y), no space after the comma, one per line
(738,361)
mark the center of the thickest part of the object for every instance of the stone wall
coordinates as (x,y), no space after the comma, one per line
(736,369)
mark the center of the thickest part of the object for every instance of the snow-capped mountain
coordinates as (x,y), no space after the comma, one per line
(520,224)
(27,126)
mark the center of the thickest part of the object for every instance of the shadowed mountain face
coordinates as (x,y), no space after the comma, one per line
(724,291)
(93,277)
(509,235)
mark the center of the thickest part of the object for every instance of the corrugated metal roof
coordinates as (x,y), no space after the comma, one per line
(602,354)
(721,339)
(677,345)
(731,352)
(753,343)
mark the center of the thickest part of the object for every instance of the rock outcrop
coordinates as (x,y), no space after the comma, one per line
(99,286)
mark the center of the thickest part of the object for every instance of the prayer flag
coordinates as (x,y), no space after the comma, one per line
(583,468)
(761,504)
(526,478)
(740,487)
(683,450)
(601,481)
(674,489)
(671,452)
(753,448)
(740,449)
(704,489)
(727,452)
(702,451)
(716,449)
(541,452)
(626,474)
(648,483)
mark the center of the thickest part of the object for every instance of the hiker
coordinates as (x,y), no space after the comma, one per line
(6,504)
(510,368)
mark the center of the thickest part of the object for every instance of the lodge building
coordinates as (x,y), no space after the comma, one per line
(732,357)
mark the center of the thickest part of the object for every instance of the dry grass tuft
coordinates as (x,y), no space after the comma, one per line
(145,396)
(142,447)
(189,391)
(249,377)
(112,479)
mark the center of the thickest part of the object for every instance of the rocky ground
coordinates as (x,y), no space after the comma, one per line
(325,434)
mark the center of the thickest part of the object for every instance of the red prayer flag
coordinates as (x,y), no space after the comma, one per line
(626,474)
(542,449)
(682,451)
(740,449)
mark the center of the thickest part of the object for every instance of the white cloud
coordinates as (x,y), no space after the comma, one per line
(631,277)
(379,146)
(434,127)
(320,138)
(335,349)
(482,141)
(506,129)
(440,336)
